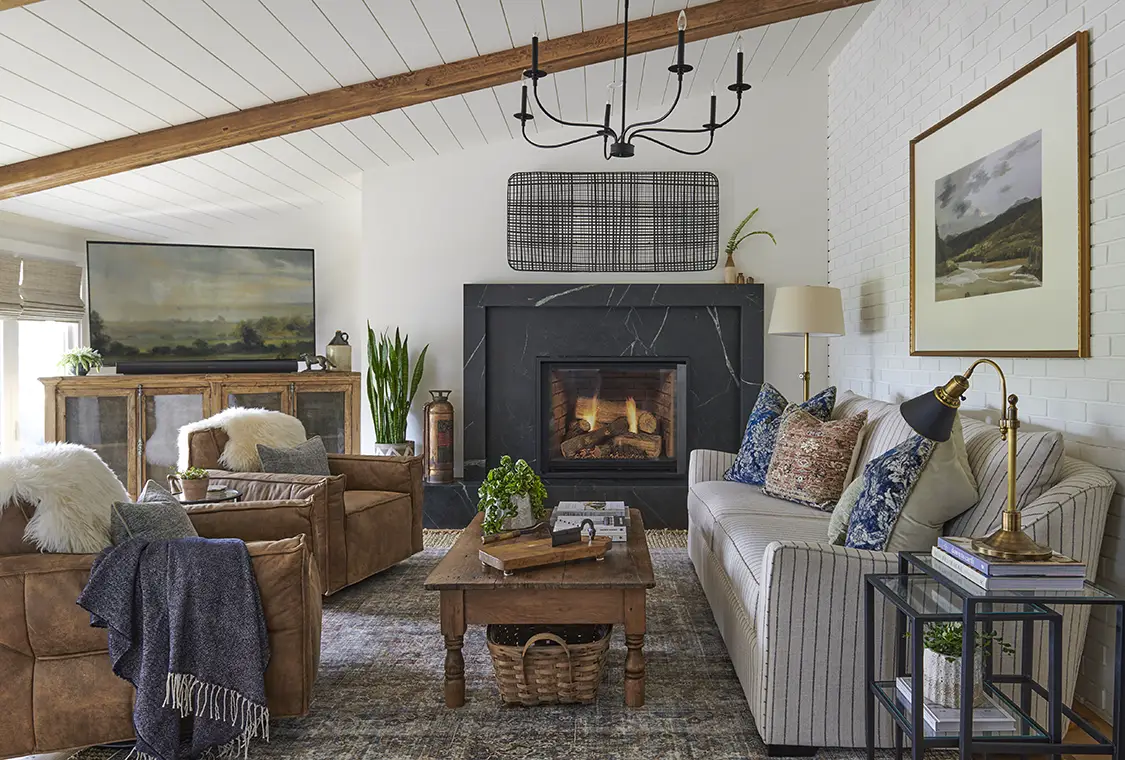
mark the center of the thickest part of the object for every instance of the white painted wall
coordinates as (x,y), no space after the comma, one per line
(431,227)
(911,64)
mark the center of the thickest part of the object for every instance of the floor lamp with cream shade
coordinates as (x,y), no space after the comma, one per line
(814,311)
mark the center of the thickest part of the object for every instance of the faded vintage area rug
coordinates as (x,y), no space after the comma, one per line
(379,692)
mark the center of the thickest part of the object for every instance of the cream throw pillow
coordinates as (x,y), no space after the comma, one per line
(945,489)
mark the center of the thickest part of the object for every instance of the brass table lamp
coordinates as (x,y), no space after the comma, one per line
(808,310)
(931,416)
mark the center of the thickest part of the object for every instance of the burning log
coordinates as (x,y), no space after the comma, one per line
(578,427)
(605,411)
(650,445)
(571,446)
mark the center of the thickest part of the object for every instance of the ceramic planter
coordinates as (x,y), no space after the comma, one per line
(941,679)
(404,449)
(195,490)
(524,518)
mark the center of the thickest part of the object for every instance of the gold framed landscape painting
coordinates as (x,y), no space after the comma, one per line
(999,217)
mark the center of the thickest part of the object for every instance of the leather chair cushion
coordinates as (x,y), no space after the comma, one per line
(360,501)
(378,531)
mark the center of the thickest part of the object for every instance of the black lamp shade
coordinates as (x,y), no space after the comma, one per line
(929,417)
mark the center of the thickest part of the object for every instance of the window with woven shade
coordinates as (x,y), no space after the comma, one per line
(51,290)
(10,306)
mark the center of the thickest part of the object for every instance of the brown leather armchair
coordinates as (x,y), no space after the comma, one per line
(366,516)
(57,687)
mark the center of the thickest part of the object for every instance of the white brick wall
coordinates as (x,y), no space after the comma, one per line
(912,63)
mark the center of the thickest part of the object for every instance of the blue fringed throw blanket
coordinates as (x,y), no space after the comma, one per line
(186,629)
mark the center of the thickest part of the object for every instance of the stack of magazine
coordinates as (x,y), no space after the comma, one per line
(1059,573)
(990,718)
(610,518)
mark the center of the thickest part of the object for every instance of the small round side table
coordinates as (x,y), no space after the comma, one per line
(213,497)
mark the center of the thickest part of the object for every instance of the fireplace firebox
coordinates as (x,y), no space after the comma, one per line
(623,416)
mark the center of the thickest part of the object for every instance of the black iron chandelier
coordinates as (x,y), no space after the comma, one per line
(622,145)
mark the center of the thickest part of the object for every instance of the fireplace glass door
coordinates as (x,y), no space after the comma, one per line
(620,416)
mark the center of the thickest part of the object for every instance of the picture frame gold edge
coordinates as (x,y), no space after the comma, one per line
(1081,39)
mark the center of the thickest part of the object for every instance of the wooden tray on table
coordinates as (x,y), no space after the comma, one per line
(527,552)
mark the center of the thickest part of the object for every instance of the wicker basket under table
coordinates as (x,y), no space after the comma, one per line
(540,675)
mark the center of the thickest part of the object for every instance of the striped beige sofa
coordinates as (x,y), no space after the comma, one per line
(789,604)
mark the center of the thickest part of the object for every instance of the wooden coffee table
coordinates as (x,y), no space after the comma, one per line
(607,591)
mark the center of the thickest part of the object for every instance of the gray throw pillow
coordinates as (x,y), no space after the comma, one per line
(309,458)
(157,515)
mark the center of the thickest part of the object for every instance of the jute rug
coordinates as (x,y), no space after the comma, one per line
(379,690)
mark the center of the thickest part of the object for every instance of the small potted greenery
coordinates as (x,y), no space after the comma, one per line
(81,360)
(941,663)
(512,496)
(192,483)
(730,270)
(390,390)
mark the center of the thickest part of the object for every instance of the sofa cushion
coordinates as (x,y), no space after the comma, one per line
(360,501)
(888,482)
(1039,458)
(157,515)
(812,458)
(753,459)
(885,426)
(740,542)
(712,499)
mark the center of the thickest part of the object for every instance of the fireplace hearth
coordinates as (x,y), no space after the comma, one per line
(544,362)
(622,415)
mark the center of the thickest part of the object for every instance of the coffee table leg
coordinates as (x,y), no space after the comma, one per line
(635,642)
(453,630)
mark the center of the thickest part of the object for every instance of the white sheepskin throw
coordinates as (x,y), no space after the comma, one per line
(246,428)
(72,490)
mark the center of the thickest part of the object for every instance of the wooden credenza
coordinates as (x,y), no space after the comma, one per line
(133,421)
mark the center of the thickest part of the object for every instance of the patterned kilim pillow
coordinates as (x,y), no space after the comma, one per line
(812,458)
(888,481)
(753,460)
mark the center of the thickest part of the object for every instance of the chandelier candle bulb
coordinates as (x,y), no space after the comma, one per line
(681,26)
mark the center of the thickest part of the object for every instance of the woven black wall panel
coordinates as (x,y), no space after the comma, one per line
(613,221)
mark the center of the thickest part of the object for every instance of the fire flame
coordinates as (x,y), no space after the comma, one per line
(631,414)
(590,413)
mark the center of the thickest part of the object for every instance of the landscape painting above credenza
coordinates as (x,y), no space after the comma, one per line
(177,302)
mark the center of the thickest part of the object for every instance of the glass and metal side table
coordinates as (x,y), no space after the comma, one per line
(924,592)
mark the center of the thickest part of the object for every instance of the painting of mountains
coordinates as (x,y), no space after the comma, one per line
(989,223)
(184,302)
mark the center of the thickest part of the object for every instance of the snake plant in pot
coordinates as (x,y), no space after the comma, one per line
(390,390)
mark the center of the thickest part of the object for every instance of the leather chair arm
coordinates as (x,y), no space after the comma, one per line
(254,520)
(398,474)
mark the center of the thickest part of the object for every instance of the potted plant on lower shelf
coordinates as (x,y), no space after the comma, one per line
(192,483)
(512,496)
(81,360)
(390,390)
(941,663)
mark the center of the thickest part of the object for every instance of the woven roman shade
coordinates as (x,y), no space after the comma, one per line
(10,307)
(51,290)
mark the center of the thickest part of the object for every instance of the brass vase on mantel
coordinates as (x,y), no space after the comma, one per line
(437,458)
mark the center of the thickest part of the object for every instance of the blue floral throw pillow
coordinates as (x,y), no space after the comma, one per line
(753,460)
(888,480)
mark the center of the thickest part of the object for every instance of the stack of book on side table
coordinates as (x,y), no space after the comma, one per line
(1059,573)
(990,717)
(610,518)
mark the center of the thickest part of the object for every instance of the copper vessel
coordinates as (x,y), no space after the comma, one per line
(438,444)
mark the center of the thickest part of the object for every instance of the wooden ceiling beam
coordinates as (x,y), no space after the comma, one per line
(6,4)
(393,92)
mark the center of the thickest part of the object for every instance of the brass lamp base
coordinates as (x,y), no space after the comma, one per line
(1012,545)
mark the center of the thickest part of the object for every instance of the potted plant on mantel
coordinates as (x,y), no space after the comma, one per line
(730,269)
(390,390)
(81,360)
(512,496)
(941,663)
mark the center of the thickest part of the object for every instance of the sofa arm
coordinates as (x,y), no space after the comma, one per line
(1070,516)
(707,464)
(254,520)
(397,474)
(811,637)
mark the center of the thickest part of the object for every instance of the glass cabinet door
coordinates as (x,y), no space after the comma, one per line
(104,424)
(324,413)
(163,414)
(256,397)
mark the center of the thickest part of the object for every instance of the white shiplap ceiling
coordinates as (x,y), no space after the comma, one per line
(76,72)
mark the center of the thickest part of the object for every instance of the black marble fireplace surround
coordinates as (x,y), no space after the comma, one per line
(510,328)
